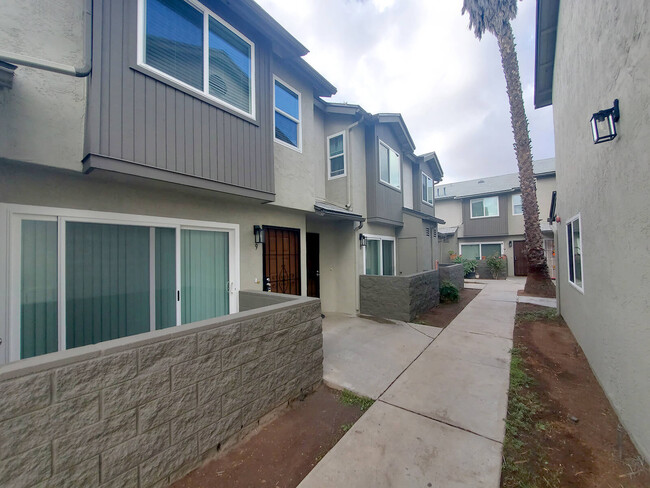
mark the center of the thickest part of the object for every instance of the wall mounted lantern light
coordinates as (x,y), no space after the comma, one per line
(363,240)
(258,230)
(603,124)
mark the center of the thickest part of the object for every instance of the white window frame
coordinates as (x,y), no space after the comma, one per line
(521,204)
(373,237)
(330,157)
(571,256)
(15,214)
(471,213)
(280,111)
(207,13)
(399,165)
(429,179)
(480,248)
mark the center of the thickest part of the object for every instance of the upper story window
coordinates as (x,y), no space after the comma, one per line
(389,165)
(427,189)
(287,114)
(484,207)
(517,208)
(574,255)
(336,155)
(184,41)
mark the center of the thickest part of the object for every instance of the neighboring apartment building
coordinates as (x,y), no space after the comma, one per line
(484,217)
(197,159)
(589,54)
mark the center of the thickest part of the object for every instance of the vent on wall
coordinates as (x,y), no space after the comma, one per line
(435,232)
(427,231)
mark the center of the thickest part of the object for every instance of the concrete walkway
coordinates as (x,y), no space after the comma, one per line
(440,421)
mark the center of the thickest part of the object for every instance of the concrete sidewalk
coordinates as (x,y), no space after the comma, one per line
(440,422)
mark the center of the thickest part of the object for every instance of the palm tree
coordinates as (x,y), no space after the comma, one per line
(495,16)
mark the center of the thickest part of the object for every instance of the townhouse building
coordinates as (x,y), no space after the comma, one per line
(484,217)
(192,155)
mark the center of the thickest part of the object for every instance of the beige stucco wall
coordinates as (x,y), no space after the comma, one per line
(350,189)
(30,184)
(42,117)
(339,263)
(451,211)
(295,171)
(603,52)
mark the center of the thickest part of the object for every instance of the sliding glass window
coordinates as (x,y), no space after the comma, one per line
(380,256)
(82,282)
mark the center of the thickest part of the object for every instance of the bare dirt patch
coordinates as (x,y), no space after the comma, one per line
(444,313)
(573,437)
(284,451)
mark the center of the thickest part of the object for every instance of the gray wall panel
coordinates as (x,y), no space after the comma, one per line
(384,201)
(491,226)
(136,116)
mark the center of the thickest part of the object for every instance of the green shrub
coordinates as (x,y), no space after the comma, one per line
(497,265)
(449,292)
(469,265)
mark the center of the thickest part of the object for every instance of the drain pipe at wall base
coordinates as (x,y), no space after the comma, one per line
(64,69)
(356,268)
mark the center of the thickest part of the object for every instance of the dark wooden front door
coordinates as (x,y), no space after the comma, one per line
(282,260)
(521,262)
(313,272)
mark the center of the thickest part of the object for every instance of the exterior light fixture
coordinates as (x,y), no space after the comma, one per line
(363,241)
(603,124)
(509,243)
(258,230)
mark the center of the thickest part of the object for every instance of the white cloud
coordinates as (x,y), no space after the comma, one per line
(419,58)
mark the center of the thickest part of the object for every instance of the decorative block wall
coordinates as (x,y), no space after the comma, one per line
(142,411)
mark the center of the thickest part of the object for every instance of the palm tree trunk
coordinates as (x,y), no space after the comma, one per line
(537,267)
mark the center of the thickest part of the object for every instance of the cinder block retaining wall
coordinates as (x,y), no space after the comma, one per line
(142,411)
(453,273)
(398,297)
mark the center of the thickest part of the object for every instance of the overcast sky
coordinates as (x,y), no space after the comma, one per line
(418,58)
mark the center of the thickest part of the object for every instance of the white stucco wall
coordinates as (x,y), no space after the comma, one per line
(603,53)
(42,117)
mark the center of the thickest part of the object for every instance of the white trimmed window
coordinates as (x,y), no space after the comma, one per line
(379,255)
(427,189)
(81,277)
(336,155)
(574,254)
(484,207)
(481,250)
(286,122)
(517,208)
(389,166)
(185,42)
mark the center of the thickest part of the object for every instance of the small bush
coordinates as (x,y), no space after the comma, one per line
(469,265)
(449,292)
(497,265)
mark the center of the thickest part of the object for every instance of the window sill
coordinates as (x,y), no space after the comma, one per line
(288,146)
(193,93)
(330,178)
(486,217)
(392,187)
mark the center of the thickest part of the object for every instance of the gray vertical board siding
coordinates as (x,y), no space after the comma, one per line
(135,116)
(384,201)
(490,226)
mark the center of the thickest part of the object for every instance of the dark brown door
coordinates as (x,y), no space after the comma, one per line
(282,260)
(521,262)
(313,272)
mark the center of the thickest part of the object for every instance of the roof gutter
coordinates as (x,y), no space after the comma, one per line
(64,69)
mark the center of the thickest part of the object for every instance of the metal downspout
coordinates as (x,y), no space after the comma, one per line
(64,69)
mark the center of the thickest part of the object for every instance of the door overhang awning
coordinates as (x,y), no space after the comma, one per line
(334,212)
